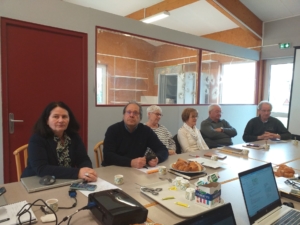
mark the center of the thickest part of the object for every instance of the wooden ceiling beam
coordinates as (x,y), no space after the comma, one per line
(240,15)
(166,5)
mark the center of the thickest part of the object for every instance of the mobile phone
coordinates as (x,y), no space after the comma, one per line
(2,190)
(83,186)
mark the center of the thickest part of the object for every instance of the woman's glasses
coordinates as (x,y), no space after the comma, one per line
(158,114)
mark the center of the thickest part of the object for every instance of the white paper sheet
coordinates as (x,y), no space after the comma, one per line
(282,186)
(102,185)
(144,170)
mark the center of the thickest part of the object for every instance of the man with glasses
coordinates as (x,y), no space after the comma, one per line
(215,131)
(126,142)
(264,126)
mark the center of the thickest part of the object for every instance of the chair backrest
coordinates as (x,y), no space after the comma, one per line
(178,147)
(17,153)
(98,153)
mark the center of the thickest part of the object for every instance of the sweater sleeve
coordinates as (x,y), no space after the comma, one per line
(248,132)
(282,131)
(110,150)
(228,129)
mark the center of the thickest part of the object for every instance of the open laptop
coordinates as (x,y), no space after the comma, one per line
(262,198)
(221,215)
(32,184)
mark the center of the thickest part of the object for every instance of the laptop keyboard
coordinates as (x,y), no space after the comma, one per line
(291,217)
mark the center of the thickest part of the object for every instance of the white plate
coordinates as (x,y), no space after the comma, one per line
(181,171)
(208,162)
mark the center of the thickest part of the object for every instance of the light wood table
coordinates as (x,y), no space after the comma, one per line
(279,152)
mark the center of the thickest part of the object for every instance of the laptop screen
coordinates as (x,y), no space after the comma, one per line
(222,215)
(260,191)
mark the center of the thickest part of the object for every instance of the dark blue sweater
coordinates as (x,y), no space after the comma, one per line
(42,158)
(255,127)
(121,146)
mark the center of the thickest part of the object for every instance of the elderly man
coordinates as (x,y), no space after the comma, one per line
(265,126)
(216,132)
(126,142)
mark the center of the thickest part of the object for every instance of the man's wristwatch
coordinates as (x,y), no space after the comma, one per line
(222,130)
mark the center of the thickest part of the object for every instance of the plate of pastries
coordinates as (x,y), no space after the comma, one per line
(284,171)
(187,166)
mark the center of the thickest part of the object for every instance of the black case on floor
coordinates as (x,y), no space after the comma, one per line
(115,207)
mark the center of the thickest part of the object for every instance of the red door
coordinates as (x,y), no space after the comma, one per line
(40,64)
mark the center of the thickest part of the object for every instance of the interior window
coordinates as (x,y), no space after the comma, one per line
(145,70)
(227,80)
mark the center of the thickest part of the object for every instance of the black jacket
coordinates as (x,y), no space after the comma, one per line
(42,158)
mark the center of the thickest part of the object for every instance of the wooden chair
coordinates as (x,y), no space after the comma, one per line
(98,152)
(17,154)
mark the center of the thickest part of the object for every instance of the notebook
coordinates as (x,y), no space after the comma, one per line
(222,215)
(32,184)
(8,214)
(262,198)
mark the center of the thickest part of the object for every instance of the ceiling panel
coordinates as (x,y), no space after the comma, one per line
(118,7)
(270,10)
(198,18)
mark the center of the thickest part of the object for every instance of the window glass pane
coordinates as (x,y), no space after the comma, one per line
(238,83)
(145,70)
(101,84)
(280,90)
(227,80)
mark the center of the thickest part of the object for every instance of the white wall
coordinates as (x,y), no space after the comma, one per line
(280,31)
(64,15)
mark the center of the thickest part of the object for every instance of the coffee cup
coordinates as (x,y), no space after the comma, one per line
(177,181)
(245,152)
(190,194)
(53,204)
(119,179)
(184,184)
(214,157)
(162,170)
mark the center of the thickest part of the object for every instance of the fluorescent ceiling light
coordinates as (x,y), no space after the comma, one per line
(156,17)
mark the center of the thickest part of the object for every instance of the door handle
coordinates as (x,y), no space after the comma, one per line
(12,121)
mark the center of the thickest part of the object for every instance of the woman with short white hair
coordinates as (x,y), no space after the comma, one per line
(154,113)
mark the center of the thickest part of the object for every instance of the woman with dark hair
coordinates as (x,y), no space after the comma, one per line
(189,136)
(56,149)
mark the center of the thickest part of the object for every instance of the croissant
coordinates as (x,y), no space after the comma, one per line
(284,171)
(186,166)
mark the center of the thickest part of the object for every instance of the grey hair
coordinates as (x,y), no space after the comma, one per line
(153,108)
(211,106)
(264,102)
(135,103)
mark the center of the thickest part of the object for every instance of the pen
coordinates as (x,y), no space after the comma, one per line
(152,171)
(7,219)
(233,152)
(167,198)
(194,155)
(182,204)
